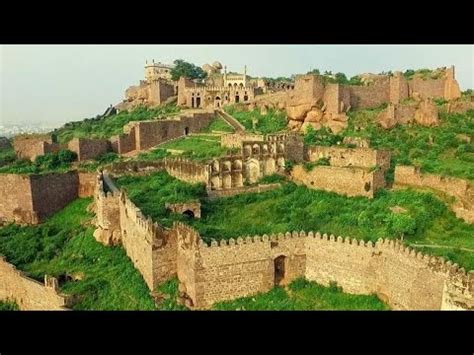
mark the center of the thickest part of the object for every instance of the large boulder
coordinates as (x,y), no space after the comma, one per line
(294,125)
(427,114)
(315,115)
(298,112)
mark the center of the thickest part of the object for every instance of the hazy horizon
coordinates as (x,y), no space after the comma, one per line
(54,84)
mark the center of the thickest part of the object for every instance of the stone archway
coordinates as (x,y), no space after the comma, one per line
(252,170)
(279,266)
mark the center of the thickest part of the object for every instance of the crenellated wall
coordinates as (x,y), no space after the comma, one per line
(240,267)
(400,276)
(29,294)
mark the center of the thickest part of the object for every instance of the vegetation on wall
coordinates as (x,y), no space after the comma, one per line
(112,125)
(64,247)
(187,70)
(272,122)
(437,150)
(200,147)
(151,192)
(48,163)
(8,306)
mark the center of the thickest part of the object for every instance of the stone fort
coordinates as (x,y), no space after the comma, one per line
(224,270)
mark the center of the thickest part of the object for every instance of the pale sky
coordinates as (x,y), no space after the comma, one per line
(61,83)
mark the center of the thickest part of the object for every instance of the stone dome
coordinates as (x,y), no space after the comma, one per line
(217,65)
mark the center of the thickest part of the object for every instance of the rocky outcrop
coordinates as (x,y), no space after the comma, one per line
(424,113)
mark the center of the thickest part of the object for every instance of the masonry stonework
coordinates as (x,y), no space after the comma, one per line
(29,294)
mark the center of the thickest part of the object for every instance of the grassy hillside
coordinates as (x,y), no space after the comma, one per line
(8,306)
(426,221)
(151,192)
(112,125)
(437,150)
(274,121)
(64,245)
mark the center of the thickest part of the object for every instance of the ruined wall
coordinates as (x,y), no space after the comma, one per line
(344,157)
(234,268)
(370,96)
(427,88)
(242,190)
(187,170)
(31,146)
(29,294)
(87,184)
(125,142)
(350,181)
(16,202)
(152,133)
(410,175)
(159,91)
(52,192)
(398,88)
(32,198)
(88,148)
(235,140)
(461,189)
(403,278)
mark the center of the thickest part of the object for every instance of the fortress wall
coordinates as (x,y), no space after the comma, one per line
(159,92)
(371,96)
(126,142)
(52,192)
(234,140)
(398,89)
(343,157)
(29,294)
(400,276)
(16,201)
(349,181)
(427,88)
(348,263)
(187,170)
(88,148)
(87,184)
(152,133)
(410,175)
(30,146)
(137,236)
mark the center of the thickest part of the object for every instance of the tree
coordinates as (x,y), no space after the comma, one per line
(188,70)
(314,71)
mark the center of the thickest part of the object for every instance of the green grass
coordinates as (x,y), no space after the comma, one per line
(435,149)
(299,295)
(303,295)
(151,192)
(218,125)
(112,125)
(274,121)
(64,245)
(192,147)
(428,220)
(8,306)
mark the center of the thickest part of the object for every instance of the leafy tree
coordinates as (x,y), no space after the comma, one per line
(341,78)
(188,70)
(408,73)
(314,71)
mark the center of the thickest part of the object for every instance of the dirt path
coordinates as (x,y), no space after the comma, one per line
(440,247)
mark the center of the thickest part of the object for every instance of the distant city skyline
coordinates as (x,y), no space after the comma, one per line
(52,85)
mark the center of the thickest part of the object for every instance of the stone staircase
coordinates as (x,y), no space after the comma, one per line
(231,121)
